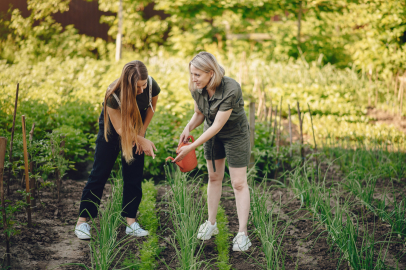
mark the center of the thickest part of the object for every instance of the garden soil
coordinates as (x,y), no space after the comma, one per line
(51,243)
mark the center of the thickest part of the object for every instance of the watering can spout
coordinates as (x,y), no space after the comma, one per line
(189,162)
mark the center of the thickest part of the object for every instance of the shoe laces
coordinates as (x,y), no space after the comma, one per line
(205,226)
(135,226)
(82,227)
(240,238)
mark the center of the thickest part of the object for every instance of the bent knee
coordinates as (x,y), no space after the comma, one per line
(239,184)
(216,177)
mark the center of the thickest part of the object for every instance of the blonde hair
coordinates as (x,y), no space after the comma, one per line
(131,121)
(207,62)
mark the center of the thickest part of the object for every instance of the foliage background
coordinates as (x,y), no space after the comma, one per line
(347,53)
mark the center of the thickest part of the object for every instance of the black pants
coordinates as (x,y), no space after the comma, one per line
(104,158)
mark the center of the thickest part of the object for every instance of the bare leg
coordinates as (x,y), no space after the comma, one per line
(214,187)
(242,196)
(81,220)
(130,220)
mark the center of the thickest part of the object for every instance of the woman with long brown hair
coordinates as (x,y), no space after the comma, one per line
(130,103)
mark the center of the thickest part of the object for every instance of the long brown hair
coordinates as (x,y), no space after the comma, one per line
(131,122)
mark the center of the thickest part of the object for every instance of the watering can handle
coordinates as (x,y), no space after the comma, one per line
(191,137)
(172,160)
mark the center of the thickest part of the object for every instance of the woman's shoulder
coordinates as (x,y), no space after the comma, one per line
(155,87)
(231,86)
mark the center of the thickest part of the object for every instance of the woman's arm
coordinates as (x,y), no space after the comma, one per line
(146,145)
(197,120)
(219,122)
(115,119)
(149,115)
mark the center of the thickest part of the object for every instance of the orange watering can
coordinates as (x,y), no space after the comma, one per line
(189,162)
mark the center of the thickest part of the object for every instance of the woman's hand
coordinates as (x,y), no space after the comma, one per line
(146,146)
(182,152)
(139,150)
(184,136)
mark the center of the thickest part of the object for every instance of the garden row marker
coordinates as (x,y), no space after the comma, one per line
(270,114)
(3,143)
(301,132)
(11,142)
(252,133)
(290,132)
(314,138)
(278,139)
(274,125)
(27,181)
(32,180)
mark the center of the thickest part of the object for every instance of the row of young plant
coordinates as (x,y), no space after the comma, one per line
(363,168)
(333,210)
(269,228)
(222,239)
(185,204)
(107,251)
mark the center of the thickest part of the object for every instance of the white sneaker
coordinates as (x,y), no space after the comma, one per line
(135,230)
(241,242)
(206,230)
(83,231)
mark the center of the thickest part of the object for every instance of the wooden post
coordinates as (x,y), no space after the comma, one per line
(278,139)
(301,132)
(27,180)
(290,132)
(270,111)
(61,153)
(275,125)
(11,141)
(3,143)
(314,138)
(32,180)
(252,132)
(279,127)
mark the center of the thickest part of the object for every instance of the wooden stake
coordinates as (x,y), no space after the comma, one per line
(290,132)
(61,153)
(3,143)
(32,180)
(278,139)
(270,116)
(252,132)
(27,180)
(11,141)
(274,126)
(279,127)
(301,132)
(314,138)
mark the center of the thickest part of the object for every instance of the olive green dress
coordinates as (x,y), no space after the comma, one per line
(232,141)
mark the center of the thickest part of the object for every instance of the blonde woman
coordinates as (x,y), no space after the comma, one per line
(219,104)
(128,108)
